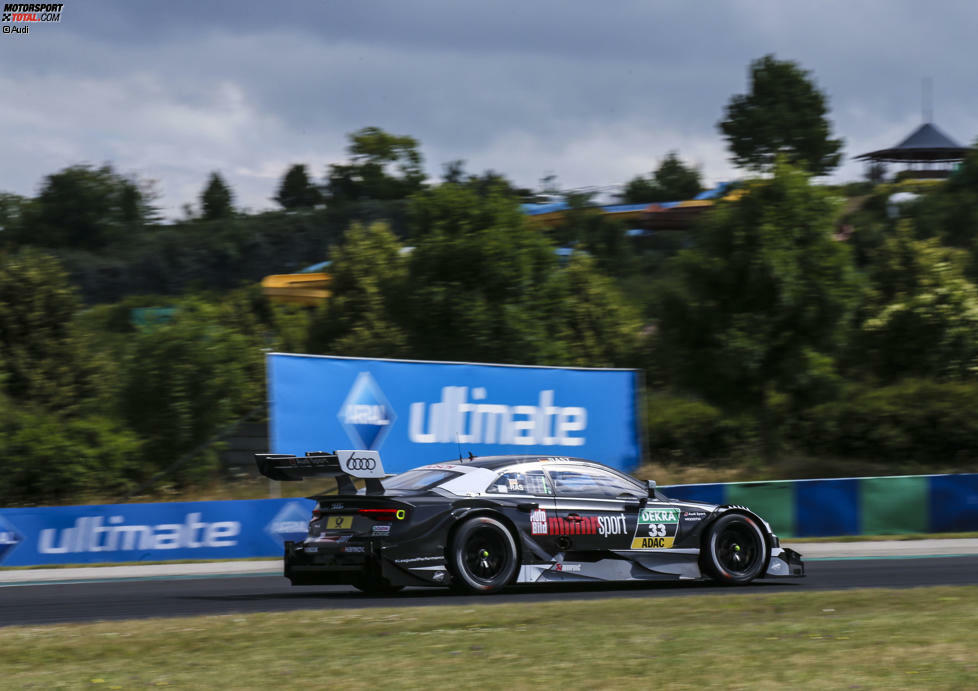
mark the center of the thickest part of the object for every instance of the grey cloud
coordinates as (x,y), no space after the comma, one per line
(595,93)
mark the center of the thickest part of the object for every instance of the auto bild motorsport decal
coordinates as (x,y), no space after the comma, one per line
(656,528)
(366,415)
(538,522)
(589,525)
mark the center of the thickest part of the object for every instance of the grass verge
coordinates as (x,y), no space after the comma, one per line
(847,639)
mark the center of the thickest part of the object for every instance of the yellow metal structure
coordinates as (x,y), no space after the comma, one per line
(302,289)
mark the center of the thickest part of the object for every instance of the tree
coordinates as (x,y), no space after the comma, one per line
(924,318)
(671,181)
(296,191)
(485,287)
(382,166)
(453,171)
(186,379)
(677,180)
(216,199)
(40,351)
(94,455)
(368,281)
(85,207)
(759,310)
(876,172)
(950,212)
(588,317)
(586,228)
(784,114)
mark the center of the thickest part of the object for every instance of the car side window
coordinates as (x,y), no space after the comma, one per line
(592,483)
(520,482)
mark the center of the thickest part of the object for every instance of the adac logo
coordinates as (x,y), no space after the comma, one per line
(9,538)
(366,415)
(290,523)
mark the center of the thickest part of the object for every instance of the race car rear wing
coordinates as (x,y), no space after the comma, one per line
(341,465)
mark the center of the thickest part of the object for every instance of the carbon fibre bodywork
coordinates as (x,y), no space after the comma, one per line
(405,536)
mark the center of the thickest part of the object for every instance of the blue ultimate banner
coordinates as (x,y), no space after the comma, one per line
(418,412)
(108,533)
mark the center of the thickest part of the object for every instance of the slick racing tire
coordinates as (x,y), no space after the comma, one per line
(734,550)
(483,555)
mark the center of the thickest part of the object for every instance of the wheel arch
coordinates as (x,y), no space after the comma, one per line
(465,514)
(726,510)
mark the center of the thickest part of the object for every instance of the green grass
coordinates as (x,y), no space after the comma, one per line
(915,638)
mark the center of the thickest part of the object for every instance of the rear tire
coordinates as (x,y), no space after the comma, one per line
(483,555)
(734,550)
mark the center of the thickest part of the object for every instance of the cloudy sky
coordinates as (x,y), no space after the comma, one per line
(593,92)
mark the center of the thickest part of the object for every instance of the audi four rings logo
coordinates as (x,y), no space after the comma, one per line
(361,463)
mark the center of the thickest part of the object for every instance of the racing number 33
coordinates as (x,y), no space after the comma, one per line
(656,529)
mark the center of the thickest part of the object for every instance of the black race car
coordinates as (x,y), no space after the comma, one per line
(482,524)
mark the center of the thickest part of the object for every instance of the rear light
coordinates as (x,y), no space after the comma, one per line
(316,513)
(383,514)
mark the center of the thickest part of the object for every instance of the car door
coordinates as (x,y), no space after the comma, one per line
(596,509)
(528,493)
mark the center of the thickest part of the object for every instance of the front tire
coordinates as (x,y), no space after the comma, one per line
(483,555)
(734,550)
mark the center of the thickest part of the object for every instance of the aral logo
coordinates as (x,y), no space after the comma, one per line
(366,415)
(290,523)
(9,538)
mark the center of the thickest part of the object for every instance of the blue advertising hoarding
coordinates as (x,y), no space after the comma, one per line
(151,532)
(418,412)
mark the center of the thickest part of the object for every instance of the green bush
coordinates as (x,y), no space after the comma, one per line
(687,429)
(185,380)
(47,459)
(915,420)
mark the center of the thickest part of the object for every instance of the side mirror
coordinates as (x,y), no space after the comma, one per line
(651,486)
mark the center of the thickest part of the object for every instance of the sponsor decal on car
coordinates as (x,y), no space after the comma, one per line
(538,522)
(416,559)
(589,525)
(656,528)
(567,566)
(380,530)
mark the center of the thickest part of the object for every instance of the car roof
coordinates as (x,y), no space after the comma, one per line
(494,462)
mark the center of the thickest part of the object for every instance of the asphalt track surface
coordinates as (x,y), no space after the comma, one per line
(33,605)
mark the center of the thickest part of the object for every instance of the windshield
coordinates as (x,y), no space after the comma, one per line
(419,479)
